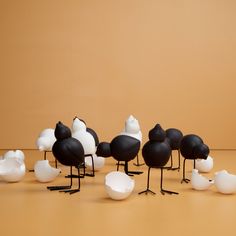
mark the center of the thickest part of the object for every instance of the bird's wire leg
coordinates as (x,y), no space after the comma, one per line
(131,173)
(147,190)
(138,164)
(184,179)
(71,191)
(93,172)
(53,188)
(163,191)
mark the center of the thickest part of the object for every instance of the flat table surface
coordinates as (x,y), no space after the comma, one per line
(28,208)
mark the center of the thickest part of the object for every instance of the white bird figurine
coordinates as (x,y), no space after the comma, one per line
(200,182)
(132,128)
(80,133)
(45,141)
(44,172)
(204,166)
(12,166)
(225,182)
(118,185)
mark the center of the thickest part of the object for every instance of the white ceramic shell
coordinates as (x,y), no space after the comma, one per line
(200,182)
(99,162)
(44,172)
(46,140)
(225,182)
(132,128)
(14,154)
(78,125)
(87,141)
(12,169)
(204,165)
(118,185)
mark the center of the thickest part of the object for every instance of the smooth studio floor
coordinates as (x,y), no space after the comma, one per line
(28,208)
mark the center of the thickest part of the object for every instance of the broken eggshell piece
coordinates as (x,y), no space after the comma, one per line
(118,185)
(12,169)
(225,182)
(204,165)
(200,182)
(44,172)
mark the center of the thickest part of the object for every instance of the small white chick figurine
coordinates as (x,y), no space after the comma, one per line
(132,128)
(204,166)
(200,182)
(225,182)
(46,140)
(79,132)
(12,166)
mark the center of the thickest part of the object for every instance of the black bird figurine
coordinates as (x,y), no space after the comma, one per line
(69,152)
(174,137)
(192,148)
(156,153)
(122,148)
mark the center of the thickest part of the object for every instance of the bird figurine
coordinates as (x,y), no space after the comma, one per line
(88,141)
(156,153)
(69,152)
(132,128)
(45,141)
(122,148)
(192,148)
(174,137)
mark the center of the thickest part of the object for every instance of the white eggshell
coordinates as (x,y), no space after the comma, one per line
(200,182)
(204,165)
(44,172)
(12,169)
(225,182)
(99,162)
(118,185)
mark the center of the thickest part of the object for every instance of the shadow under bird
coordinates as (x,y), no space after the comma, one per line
(69,152)
(156,153)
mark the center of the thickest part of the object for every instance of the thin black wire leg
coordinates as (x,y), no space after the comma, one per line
(131,173)
(163,191)
(184,179)
(148,190)
(137,163)
(93,172)
(54,188)
(71,191)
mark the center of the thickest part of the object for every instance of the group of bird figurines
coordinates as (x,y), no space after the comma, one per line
(80,148)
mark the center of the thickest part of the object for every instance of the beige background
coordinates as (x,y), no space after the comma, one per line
(164,61)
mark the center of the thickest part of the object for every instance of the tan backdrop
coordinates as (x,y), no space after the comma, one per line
(164,61)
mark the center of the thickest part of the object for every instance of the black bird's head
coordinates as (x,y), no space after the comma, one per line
(201,151)
(62,131)
(157,134)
